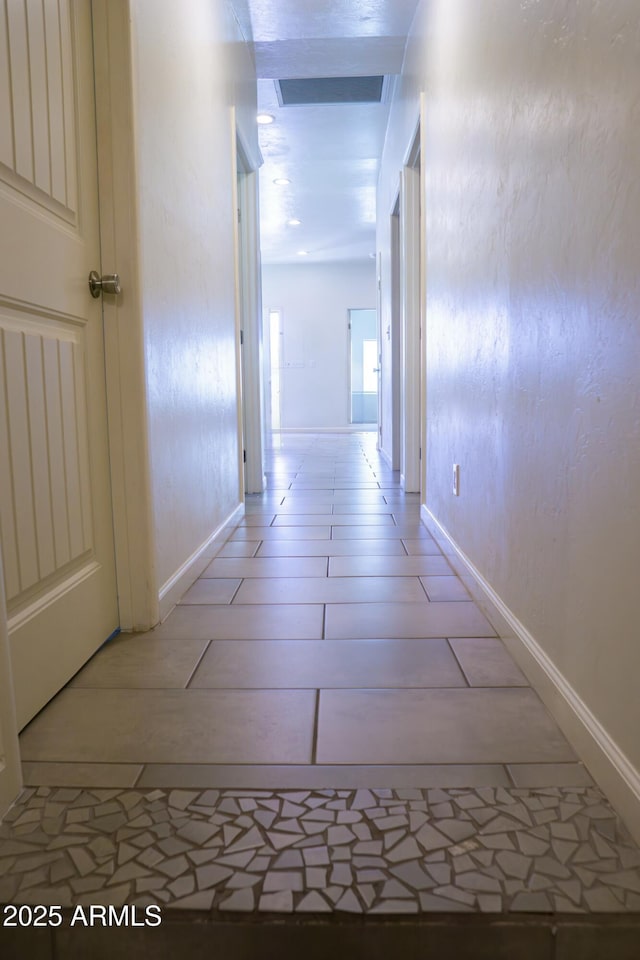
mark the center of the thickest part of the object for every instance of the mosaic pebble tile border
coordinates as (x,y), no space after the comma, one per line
(391,852)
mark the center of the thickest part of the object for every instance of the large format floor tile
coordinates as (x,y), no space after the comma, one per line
(102,775)
(334,484)
(211,591)
(238,548)
(335,519)
(487,663)
(389,620)
(411,529)
(437,726)
(262,518)
(332,590)
(316,776)
(444,588)
(328,663)
(142,661)
(333,548)
(267,567)
(373,509)
(420,547)
(243,622)
(288,509)
(345,497)
(379,566)
(174,726)
(283,533)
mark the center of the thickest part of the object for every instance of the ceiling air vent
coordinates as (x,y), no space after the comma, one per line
(319,90)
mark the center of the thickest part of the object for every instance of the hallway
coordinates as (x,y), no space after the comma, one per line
(328,630)
(326,721)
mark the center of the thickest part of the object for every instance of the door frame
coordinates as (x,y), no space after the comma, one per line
(124,362)
(410,311)
(422,313)
(249,317)
(123,318)
(395,384)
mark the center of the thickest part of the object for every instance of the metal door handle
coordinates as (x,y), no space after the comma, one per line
(376,369)
(107,283)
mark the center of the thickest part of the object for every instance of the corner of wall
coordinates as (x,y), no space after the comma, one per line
(191,569)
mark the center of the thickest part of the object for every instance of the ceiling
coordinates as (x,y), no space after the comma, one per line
(330,153)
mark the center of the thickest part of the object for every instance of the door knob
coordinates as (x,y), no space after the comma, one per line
(107,283)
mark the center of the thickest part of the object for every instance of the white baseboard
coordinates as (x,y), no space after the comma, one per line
(349,428)
(608,765)
(385,456)
(188,573)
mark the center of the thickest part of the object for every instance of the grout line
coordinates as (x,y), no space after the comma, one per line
(459,662)
(236,591)
(314,739)
(508,773)
(199,661)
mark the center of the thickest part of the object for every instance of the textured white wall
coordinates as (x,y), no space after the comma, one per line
(532,202)
(190,67)
(315,300)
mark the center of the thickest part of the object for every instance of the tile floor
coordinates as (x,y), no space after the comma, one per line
(328,650)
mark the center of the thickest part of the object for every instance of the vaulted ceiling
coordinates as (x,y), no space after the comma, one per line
(329,152)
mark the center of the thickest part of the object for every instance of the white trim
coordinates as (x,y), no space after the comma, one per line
(394,381)
(385,456)
(238,291)
(423,320)
(186,575)
(609,766)
(124,345)
(410,223)
(250,319)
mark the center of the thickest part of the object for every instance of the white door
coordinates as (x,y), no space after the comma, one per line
(55,499)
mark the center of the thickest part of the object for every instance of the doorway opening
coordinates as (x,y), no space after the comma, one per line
(411,305)
(364,367)
(249,322)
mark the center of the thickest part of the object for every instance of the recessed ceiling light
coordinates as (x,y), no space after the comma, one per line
(265,118)
(303,253)
(282,181)
(294,223)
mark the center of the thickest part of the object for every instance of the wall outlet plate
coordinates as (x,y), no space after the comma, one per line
(456,479)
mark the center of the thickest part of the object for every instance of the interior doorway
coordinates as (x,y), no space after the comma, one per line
(250,322)
(364,368)
(276,338)
(410,286)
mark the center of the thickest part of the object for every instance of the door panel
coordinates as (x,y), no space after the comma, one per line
(55,500)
